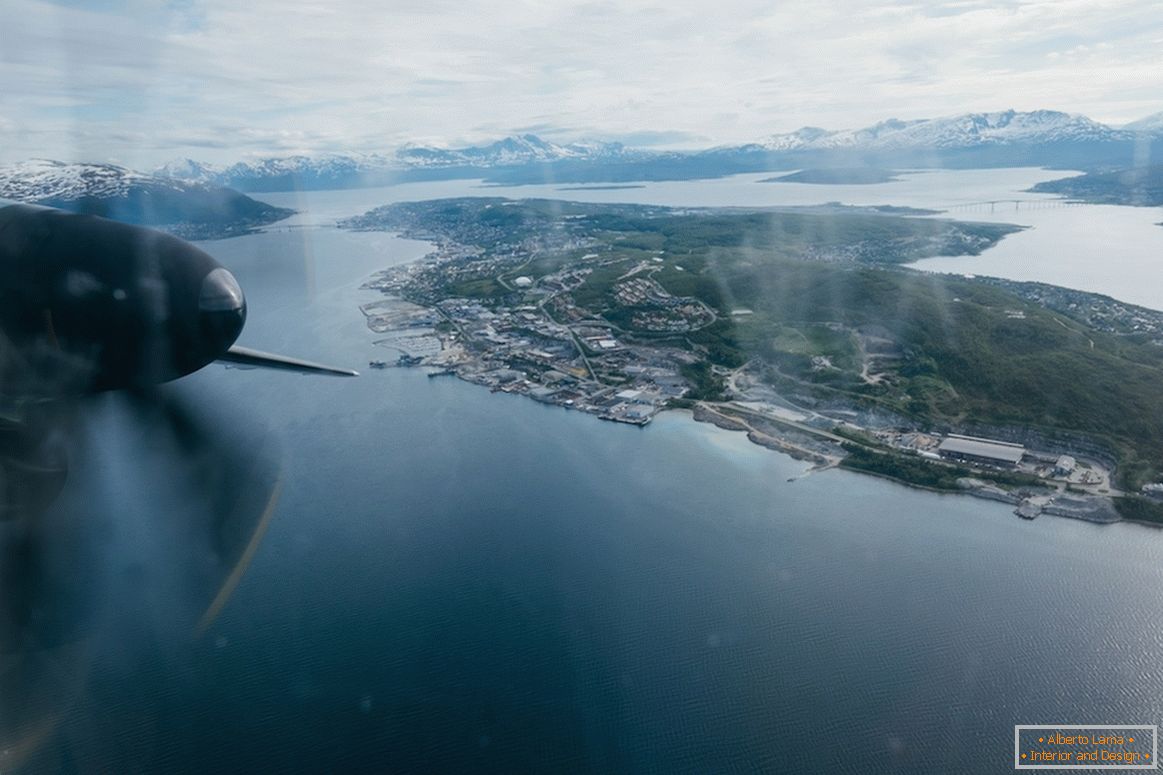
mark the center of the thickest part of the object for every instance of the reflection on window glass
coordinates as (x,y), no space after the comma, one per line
(746,389)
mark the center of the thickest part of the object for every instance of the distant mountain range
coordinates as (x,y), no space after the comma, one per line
(200,196)
(516,150)
(1043,138)
(1006,138)
(972,130)
(409,163)
(191,209)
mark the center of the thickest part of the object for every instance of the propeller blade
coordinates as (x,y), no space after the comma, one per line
(226,478)
(244,356)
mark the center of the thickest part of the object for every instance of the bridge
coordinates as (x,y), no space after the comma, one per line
(1003,205)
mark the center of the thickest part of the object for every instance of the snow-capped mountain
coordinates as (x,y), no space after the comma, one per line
(515,150)
(1005,138)
(286,173)
(804,137)
(970,130)
(41,180)
(410,162)
(1152,125)
(197,210)
(331,165)
(189,170)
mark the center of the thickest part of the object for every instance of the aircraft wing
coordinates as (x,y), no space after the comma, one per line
(244,356)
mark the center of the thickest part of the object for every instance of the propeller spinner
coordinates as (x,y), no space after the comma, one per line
(88,304)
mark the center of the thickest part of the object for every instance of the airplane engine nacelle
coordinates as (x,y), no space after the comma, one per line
(88,304)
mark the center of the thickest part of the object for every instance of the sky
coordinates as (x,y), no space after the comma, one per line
(141,82)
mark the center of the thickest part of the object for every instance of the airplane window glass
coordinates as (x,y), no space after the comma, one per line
(600,387)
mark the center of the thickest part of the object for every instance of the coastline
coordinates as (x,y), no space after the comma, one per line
(1094,509)
(1100,511)
(442,325)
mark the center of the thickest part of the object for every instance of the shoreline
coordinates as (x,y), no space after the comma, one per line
(811,444)
(396,317)
(1100,511)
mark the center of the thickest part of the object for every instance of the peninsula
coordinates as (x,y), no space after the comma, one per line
(796,325)
(1138,186)
(833,176)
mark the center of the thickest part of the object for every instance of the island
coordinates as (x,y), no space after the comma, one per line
(798,326)
(1138,186)
(833,176)
(602,188)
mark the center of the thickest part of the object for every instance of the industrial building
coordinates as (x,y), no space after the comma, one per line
(972,449)
(1065,465)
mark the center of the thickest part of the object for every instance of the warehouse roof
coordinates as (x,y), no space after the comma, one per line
(984,448)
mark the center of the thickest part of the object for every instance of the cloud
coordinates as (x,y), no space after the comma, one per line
(145,81)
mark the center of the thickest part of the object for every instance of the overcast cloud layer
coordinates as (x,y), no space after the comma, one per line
(141,82)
